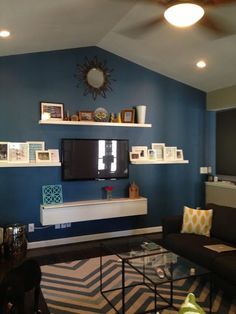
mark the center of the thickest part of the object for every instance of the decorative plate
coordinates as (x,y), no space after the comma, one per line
(101,115)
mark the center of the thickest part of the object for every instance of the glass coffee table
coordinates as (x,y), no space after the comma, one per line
(144,265)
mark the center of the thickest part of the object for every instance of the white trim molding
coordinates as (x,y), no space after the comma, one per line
(92,237)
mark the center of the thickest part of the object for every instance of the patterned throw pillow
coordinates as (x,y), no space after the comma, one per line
(197,221)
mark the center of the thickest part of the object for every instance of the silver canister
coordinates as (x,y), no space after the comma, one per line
(15,242)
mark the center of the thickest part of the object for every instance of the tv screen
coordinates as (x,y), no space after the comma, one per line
(91,159)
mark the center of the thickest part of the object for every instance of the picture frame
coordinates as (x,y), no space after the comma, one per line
(18,152)
(179,154)
(4,153)
(170,153)
(33,147)
(142,150)
(86,116)
(54,155)
(151,154)
(52,111)
(43,156)
(127,115)
(134,156)
(159,148)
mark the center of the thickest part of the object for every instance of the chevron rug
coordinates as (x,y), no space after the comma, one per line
(74,288)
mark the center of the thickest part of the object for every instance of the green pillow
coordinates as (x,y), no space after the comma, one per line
(190,306)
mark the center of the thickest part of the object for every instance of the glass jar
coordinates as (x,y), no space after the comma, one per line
(109,195)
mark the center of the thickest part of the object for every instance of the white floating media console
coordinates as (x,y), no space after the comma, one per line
(92,210)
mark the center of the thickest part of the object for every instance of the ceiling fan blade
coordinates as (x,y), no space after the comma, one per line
(142,28)
(164,3)
(217,27)
(219,2)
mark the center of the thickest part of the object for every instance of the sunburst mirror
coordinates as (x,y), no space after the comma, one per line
(95,77)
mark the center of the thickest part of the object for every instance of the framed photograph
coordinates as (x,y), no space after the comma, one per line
(134,155)
(179,154)
(43,156)
(54,155)
(51,111)
(4,152)
(159,148)
(86,116)
(33,146)
(127,115)
(170,153)
(151,154)
(18,152)
(140,149)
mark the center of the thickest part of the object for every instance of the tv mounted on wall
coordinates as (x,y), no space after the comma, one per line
(95,159)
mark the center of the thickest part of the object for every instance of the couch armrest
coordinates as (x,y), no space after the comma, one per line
(171,224)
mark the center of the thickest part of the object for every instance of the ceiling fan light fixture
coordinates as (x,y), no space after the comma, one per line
(184,14)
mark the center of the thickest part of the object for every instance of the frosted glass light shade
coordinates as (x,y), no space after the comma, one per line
(184,14)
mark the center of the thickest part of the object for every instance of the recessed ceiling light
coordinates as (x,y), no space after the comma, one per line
(4,33)
(184,14)
(201,64)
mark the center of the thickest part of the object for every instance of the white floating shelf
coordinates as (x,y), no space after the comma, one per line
(158,162)
(92,210)
(92,123)
(29,164)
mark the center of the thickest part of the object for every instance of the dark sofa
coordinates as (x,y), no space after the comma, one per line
(191,246)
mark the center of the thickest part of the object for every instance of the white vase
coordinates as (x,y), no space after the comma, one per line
(141,113)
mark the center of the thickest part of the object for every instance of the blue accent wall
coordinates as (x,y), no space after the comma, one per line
(176,111)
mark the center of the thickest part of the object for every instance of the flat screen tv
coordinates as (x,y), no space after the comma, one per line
(94,159)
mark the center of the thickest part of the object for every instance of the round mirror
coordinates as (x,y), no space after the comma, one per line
(95,77)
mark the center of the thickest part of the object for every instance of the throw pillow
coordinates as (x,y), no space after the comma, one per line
(197,221)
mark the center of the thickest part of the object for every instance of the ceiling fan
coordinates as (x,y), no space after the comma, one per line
(184,14)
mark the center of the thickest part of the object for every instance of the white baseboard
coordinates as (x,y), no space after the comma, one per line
(92,237)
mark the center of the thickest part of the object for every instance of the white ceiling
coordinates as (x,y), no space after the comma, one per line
(44,25)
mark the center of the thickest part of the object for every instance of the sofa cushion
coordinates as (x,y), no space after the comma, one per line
(192,247)
(223,223)
(225,266)
(197,221)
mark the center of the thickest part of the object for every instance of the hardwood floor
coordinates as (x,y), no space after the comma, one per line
(63,253)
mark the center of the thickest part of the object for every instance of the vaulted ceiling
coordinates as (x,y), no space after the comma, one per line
(60,24)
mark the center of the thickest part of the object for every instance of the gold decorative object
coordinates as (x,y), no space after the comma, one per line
(133,190)
(74,117)
(119,118)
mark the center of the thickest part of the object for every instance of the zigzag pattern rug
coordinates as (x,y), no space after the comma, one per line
(74,288)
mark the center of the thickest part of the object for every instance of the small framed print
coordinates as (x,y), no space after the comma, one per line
(159,148)
(4,152)
(179,154)
(18,152)
(151,154)
(43,156)
(127,116)
(86,115)
(170,153)
(54,155)
(51,111)
(33,146)
(140,149)
(134,155)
